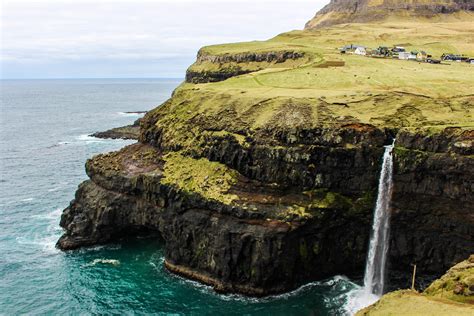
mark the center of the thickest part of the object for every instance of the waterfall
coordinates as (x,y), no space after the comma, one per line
(374,277)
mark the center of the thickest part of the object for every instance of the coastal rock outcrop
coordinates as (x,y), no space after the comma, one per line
(131,131)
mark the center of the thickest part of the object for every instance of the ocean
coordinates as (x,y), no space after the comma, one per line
(44,143)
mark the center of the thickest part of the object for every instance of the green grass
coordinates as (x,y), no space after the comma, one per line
(461,276)
(382,92)
(211,180)
(406,302)
(439,298)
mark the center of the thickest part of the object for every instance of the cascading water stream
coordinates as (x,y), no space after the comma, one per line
(374,278)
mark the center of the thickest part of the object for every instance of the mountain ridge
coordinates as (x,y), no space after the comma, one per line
(361,11)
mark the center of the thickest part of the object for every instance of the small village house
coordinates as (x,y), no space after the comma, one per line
(413,55)
(421,56)
(383,51)
(454,57)
(397,50)
(406,56)
(350,49)
(360,51)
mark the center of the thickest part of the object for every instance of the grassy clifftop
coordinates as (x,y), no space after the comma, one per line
(452,294)
(322,87)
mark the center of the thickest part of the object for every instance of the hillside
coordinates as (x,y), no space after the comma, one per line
(344,88)
(364,11)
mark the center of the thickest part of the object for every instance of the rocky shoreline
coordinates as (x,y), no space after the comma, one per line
(131,131)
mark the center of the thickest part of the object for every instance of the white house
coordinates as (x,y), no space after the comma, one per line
(360,50)
(405,55)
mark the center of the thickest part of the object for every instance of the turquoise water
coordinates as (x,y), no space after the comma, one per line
(43,147)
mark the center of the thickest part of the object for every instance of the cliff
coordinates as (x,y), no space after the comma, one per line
(363,11)
(260,172)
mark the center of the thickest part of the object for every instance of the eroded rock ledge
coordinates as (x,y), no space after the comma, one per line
(214,68)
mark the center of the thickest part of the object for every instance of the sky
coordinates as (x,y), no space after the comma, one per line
(132,38)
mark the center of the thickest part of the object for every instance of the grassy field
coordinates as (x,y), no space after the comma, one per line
(449,295)
(415,304)
(327,87)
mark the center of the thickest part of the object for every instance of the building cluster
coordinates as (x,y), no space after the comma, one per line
(399,52)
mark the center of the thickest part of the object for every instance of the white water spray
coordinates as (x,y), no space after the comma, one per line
(374,278)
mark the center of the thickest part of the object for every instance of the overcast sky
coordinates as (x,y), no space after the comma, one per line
(132,38)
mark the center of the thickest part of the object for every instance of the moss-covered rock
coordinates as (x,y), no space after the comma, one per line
(452,294)
(457,284)
(211,180)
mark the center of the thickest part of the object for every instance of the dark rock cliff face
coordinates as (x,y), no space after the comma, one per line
(231,65)
(244,248)
(433,204)
(303,209)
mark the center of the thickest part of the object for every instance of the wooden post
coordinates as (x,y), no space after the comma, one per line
(413,278)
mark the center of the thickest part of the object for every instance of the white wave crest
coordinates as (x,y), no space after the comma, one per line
(52,215)
(46,243)
(358,299)
(94,262)
(130,114)
(89,139)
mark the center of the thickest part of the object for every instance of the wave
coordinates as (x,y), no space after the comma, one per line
(131,114)
(53,215)
(89,139)
(46,239)
(337,297)
(94,262)
(46,243)
(99,248)
(358,299)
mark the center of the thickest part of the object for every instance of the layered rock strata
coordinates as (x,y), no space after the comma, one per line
(262,219)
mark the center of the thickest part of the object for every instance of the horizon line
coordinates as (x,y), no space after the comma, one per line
(81,78)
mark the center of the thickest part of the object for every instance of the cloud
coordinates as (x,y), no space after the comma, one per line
(38,33)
